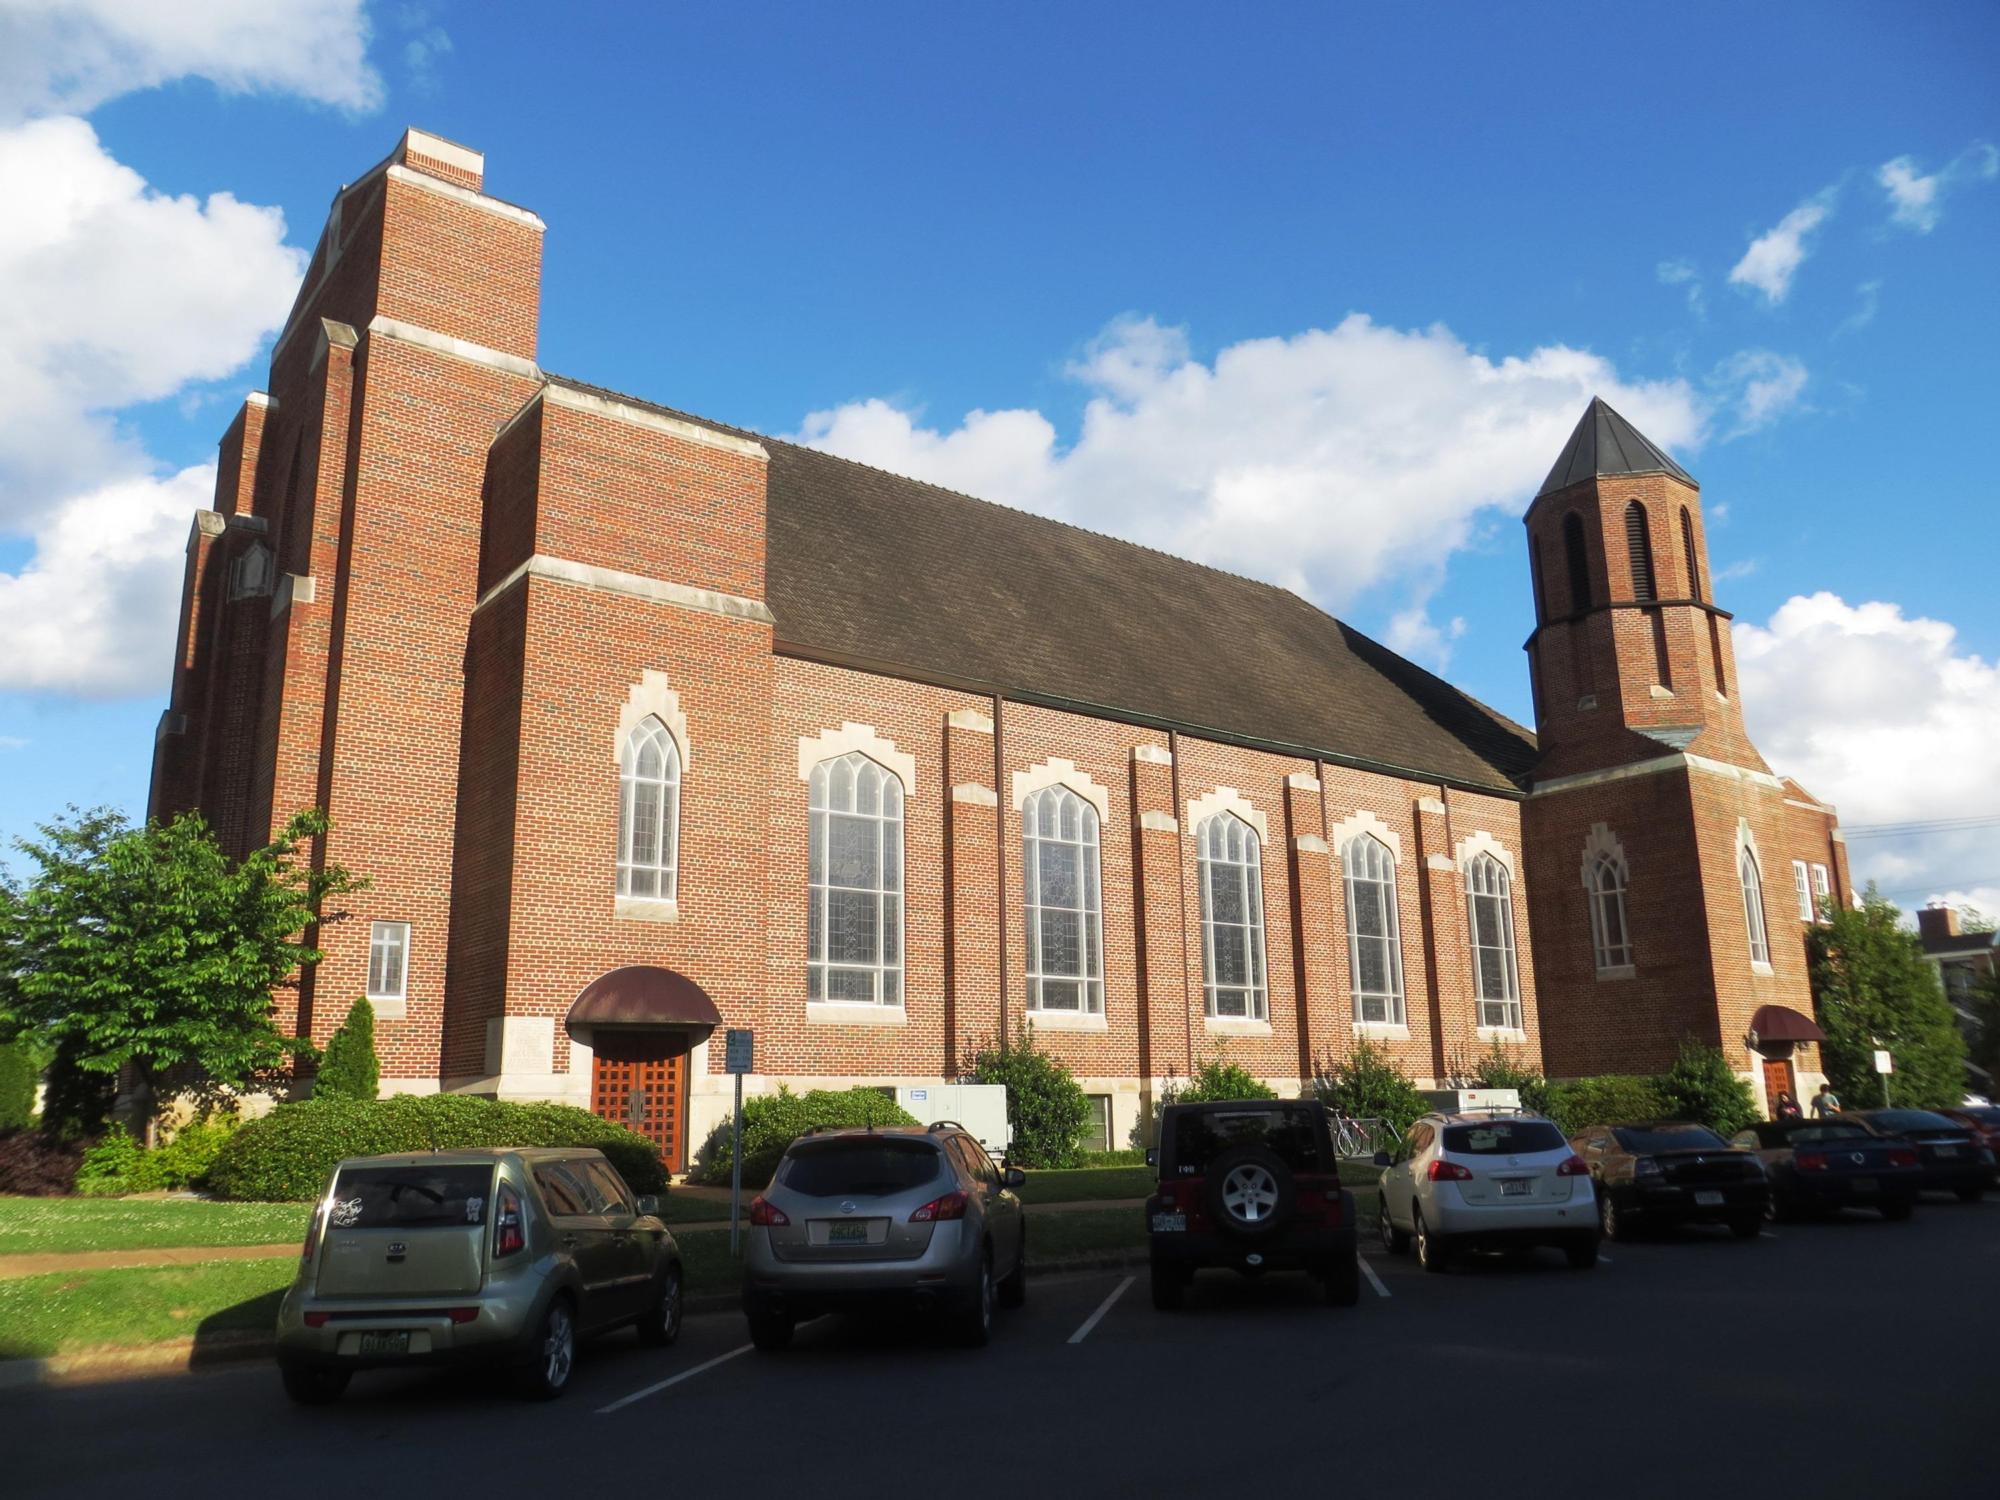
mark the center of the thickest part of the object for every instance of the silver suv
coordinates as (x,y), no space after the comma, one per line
(914,1215)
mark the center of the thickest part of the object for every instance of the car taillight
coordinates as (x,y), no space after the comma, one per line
(463,1314)
(315,1319)
(1448,1171)
(510,1234)
(1809,1161)
(312,1236)
(1574,1166)
(1902,1156)
(950,1206)
(1167,1198)
(767,1215)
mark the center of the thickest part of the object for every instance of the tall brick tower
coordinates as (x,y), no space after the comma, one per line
(1675,874)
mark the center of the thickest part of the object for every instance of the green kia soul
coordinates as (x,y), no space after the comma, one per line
(501,1257)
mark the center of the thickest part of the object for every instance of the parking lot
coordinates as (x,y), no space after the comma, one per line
(1846,1358)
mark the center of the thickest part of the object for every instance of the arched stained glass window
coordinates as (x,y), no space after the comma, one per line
(1490,910)
(1064,920)
(1374,941)
(1231,869)
(1753,905)
(1609,934)
(649,800)
(854,922)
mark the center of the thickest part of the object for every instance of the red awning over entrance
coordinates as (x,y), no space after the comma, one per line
(1778,1023)
(640,996)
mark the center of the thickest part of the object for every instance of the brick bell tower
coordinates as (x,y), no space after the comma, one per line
(1662,846)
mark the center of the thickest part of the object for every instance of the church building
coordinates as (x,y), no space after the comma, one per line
(641,725)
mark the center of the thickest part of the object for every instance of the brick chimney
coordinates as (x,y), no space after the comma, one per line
(435,156)
(1937,923)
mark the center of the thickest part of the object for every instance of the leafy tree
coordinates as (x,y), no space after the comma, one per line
(1367,1084)
(1701,1086)
(350,1068)
(1873,988)
(1499,1070)
(150,951)
(1983,1045)
(19,1074)
(1047,1109)
(75,1102)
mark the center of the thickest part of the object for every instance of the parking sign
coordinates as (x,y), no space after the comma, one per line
(736,1050)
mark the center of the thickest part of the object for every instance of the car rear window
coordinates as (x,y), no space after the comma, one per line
(861,1168)
(1913,1119)
(1503,1138)
(415,1197)
(1818,1135)
(1985,1114)
(1200,1136)
(1670,1138)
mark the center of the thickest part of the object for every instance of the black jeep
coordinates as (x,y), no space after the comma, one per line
(1252,1185)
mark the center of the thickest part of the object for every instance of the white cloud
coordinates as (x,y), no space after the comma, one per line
(1684,273)
(12,742)
(114,294)
(1744,569)
(92,614)
(1871,303)
(1328,461)
(1916,200)
(1884,716)
(1775,256)
(1759,385)
(72,55)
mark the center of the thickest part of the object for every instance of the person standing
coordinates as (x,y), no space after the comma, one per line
(1826,1103)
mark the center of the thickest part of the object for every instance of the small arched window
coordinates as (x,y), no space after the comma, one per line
(1374,941)
(1490,910)
(1609,934)
(1578,559)
(854,923)
(1541,587)
(649,802)
(1753,905)
(1639,553)
(1687,547)
(1064,919)
(1231,870)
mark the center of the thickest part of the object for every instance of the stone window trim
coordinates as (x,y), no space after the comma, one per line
(1366,822)
(1228,799)
(1481,842)
(651,697)
(1059,772)
(831,744)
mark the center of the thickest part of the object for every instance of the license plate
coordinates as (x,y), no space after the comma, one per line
(1944,1150)
(386,1343)
(1709,1199)
(1864,1184)
(1515,1187)
(847,1234)
(1170,1223)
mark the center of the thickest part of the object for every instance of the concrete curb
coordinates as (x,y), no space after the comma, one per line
(190,1356)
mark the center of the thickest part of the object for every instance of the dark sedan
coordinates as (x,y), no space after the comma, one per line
(1823,1166)
(1663,1172)
(1984,1121)
(1953,1157)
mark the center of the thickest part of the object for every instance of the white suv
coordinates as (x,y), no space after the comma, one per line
(1483,1181)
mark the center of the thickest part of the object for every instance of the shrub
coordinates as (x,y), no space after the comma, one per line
(18,1076)
(182,1160)
(1604,1100)
(1498,1070)
(1047,1110)
(35,1164)
(1702,1086)
(1218,1078)
(771,1122)
(1133,1157)
(110,1166)
(1367,1084)
(286,1155)
(349,1069)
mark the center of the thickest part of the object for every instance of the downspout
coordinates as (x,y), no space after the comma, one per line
(1000,851)
(1180,893)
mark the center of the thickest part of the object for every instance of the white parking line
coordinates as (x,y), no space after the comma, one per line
(1765,1234)
(654,1390)
(1373,1280)
(1102,1308)
(1603,1259)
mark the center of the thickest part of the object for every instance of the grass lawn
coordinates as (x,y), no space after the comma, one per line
(39,1226)
(43,1315)
(1086,1183)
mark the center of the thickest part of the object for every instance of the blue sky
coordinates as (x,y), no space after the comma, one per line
(1312,292)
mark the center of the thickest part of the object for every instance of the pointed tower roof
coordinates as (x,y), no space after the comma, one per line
(1605,443)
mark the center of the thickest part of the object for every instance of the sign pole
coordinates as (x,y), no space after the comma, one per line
(1885,1064)
(737,1058)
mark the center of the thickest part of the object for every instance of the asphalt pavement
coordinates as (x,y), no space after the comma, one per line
(1855,1358)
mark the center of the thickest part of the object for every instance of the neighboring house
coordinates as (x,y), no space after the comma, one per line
(1963,959)
(640,724)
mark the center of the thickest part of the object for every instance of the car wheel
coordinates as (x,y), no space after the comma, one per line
(1778,1209)
(1431,1251)
(1014,1286)
(770,1330)
(546,1376)
(1341,1280)
(1897,1209)
(975,1321)
(1747,1226)
(1395,1241)
(1611,1223)
(1972,1192)
(662,1324)
(310,1387)
(1581,1252)
(1169,1286)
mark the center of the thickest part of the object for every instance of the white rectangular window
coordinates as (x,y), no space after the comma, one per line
(1822,889)
(1097,1129)
(1804,890)
(388,959)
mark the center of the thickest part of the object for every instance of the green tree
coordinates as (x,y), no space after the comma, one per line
(1367,1084)
(350,1069)
(1499,1069)
(1047,1109)
(19,1073)
(1219,1078)
(1983,1044)
(1701,1086)
(1873,988)
(150,951)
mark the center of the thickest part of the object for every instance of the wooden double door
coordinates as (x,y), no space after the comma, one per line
(1778,1079)
(639,1079)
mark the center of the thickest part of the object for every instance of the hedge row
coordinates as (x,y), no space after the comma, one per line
(287,1155)
(771,1122)
(1607,1099)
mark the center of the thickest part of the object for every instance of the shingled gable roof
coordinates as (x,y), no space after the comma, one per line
(889,574)
(1604,443)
